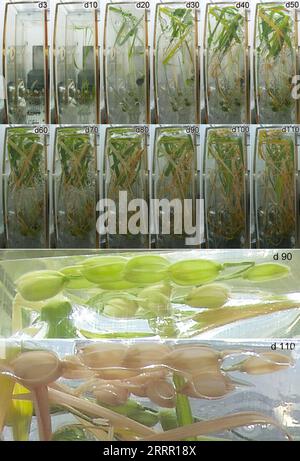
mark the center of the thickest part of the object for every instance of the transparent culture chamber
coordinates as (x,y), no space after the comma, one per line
(187,294)
(75,188)
(225,191)
(126,64)
(275,63)
(275,188)
(226,64)
(175,185)
(25,63)
(125,181)
(25,188)
(76,64)
(143,390)
(176,64)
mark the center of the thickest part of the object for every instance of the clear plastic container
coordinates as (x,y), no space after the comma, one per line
(25,51)
(25,188)
(174,178)
(176,63)
(225,188)
(125,176)
(226,64)
(75,188)
(275,63)
(126,65)
(275,188)
(76,64)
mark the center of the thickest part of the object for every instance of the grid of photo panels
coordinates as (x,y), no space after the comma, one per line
(149,221)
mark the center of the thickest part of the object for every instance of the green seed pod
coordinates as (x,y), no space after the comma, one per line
(40,285)
(146,269)
(119,285)
(194,271)
(55,310)
(120,307)
(266,271)
(155,299)
(210,296)
(164,288)
(104,269)
(76,280)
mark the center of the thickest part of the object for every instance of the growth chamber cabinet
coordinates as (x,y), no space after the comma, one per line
(225,188)
(275,188)
(25,63)
(176,64)
(125,181)
(75,188)
(175,186)
(126,64)
(226,64)
(275,64)
(76,64)
(25,191)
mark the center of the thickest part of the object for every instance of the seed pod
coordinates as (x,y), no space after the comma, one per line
(40,285)
(76,280)
(146,269)
(210,296)
(194,271)
(103,355)
(163,288)
(145,354)
(153,299)
(73,368)
(139,391)
(104,269)
(56,310)
(162,393)
(266,271)
(111,394)
(267,362)
(36,368)
(193,359)
(208,385)
(137,384)
(57,315)
(120,308)
(149,375)
(116,285)
(116,373)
